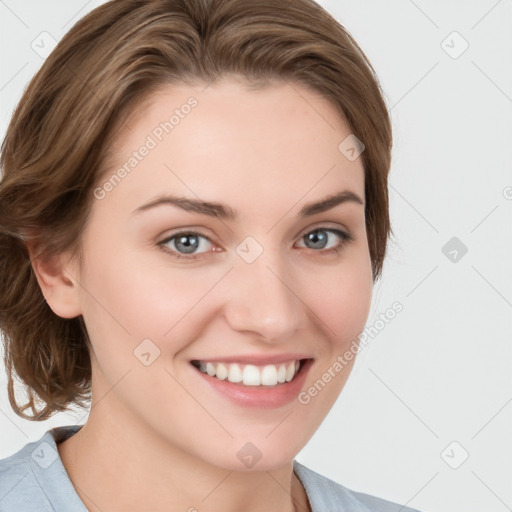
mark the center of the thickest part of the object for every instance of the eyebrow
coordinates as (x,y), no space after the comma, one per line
(221,211)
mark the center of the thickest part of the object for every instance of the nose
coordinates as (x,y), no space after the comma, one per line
(263,299)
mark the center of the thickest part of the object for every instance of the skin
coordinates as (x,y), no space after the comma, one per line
(157,437)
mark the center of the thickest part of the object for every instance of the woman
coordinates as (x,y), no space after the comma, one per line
(193,213)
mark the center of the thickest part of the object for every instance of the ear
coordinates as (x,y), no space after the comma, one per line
(56,278)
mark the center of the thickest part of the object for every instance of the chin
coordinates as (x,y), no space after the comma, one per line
(256,455)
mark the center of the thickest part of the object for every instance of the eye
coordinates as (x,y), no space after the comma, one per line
(183,245)
(318,239)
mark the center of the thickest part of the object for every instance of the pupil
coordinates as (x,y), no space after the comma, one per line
(318,236)
(189,247)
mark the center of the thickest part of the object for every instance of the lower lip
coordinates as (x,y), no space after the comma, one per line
(260,396)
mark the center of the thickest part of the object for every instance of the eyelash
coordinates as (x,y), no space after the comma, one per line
(345,237)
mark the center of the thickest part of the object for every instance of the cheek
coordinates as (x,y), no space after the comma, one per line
(343,301)
(342,308)
(129,297)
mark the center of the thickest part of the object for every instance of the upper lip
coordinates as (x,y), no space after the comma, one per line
(255,359)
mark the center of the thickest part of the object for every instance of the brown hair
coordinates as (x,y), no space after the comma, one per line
(56,143)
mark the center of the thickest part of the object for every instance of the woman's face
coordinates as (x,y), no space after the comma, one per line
(168,292)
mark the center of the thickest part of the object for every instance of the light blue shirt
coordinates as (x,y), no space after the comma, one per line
(35,480)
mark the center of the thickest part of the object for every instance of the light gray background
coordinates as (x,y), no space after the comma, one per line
(440,371)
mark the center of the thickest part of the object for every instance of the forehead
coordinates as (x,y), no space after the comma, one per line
(276,143)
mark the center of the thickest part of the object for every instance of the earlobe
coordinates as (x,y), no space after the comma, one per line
(57,282)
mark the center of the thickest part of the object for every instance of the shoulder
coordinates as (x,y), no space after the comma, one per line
(19,488)
(326,494)
(34,479)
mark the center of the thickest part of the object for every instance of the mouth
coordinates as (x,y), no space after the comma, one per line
(251,375)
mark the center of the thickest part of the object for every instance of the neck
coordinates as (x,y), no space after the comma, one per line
(116,464)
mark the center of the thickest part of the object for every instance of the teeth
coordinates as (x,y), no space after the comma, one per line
(235,373)
(269,375)
(251,375)
(210,369)
(222,372)
(290,372)
(281,374)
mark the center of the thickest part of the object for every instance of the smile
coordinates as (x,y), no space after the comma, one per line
(249,374)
